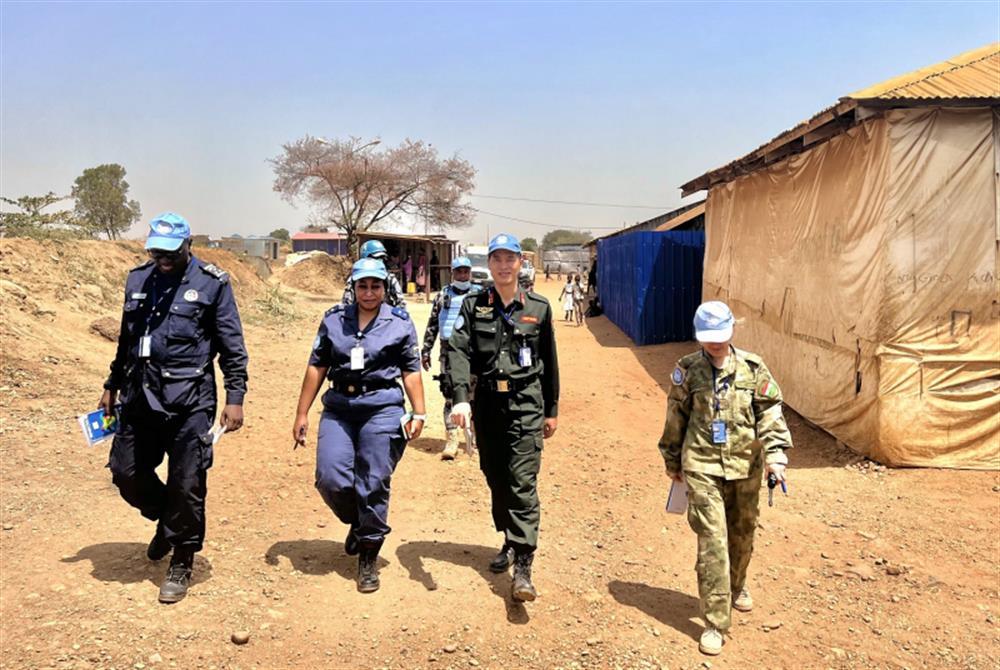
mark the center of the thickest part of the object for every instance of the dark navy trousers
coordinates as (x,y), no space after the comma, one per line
(360,443)
(143,439)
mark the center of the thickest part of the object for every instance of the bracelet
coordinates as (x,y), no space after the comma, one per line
(418,417)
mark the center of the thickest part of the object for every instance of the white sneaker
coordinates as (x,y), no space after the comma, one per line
(743,602)
(451,445)
(711,641)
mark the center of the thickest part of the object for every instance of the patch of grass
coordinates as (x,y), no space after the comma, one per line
(273,306)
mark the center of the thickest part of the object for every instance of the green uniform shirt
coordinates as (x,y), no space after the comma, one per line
(486,342)
(744,396)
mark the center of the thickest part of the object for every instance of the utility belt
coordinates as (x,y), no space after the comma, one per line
(505,385)
(356,388)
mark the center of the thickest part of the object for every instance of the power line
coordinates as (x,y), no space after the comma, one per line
(569,202)
(546,225)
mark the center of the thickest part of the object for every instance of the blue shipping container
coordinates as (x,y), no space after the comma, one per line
(650,283)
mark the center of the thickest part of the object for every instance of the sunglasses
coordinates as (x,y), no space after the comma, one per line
(164,254)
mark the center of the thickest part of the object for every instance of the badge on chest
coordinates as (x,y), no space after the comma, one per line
(358,358)
(719,432)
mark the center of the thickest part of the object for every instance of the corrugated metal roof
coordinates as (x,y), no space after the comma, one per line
(974,74)
(681,219)
(318,236)
(971,77)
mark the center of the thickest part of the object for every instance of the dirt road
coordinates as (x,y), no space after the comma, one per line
(856,568)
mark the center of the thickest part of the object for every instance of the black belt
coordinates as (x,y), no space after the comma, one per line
(356,388)
(505,385)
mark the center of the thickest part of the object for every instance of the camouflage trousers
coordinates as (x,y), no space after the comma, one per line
(724,515)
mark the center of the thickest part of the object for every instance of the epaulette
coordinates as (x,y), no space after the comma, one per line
(749,357)
(216,272)
(141,266)
(333,310)
(689,360)
(401,313)
(537,297)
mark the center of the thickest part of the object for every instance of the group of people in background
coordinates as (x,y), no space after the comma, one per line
(573,295)
(724,426)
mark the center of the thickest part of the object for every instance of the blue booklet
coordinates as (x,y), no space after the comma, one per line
(97,427)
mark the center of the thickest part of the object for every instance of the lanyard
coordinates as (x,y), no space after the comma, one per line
(156,303)
(507,313)
(715,392)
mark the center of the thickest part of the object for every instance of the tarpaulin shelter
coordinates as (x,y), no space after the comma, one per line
(861,252)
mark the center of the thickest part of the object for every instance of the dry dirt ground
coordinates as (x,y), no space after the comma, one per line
(857,568)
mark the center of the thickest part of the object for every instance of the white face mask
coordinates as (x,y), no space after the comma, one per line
(462,285)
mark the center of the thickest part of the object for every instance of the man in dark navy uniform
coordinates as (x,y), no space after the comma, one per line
(179,312)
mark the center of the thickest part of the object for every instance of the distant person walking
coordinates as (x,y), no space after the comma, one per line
(568,299)
(592,278)
(724,428)
(548,272)
(579,296)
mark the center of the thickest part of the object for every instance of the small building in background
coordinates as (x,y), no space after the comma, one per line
(334,244)
(258,246)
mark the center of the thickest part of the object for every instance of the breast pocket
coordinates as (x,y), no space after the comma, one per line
(184,322)
(131,312)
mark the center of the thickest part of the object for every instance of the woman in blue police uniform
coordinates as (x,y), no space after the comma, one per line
(363,349)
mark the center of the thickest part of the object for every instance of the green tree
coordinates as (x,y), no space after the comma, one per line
(529,244)
(356,188)
(559,237)
(31,220)
(280,234)
(102,204)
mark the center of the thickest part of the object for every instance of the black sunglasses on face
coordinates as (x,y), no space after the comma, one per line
(162,253)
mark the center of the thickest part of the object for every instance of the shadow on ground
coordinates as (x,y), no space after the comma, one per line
(671,608)
(126,563)
(317,557)
(428,445)
(413,555)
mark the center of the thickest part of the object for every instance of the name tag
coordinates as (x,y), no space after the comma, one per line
(145,344)
(524,357)
(719,432)
(138,296)
(358,358)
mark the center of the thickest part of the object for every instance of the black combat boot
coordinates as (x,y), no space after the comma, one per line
(351,543)
(522,589)
(503,559)
(158,547)
(368,567)
(175,586)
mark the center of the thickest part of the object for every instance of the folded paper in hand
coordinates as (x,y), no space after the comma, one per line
(678,499)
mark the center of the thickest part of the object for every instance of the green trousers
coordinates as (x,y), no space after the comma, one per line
(724,515)
(509,435)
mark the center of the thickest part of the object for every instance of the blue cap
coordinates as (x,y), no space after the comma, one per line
(368,267)
(168,232)
(373,249)
(504,241)
(713,322)
(461,262)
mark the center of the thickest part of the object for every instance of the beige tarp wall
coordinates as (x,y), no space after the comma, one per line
(864,271)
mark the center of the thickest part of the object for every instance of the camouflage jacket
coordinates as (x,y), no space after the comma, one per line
(749,401)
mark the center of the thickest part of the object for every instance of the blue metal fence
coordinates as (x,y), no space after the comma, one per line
(650,283)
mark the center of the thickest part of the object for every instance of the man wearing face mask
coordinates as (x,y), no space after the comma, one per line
(178,313)
(444,312)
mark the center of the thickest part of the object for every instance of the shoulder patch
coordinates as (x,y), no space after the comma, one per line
(401,313)
(333,310)
(216,272)
(768,389)
(678,376)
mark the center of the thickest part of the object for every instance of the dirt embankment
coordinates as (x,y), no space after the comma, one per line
(320,274)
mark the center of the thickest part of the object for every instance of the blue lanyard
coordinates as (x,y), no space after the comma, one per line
(156,303)
(715,393)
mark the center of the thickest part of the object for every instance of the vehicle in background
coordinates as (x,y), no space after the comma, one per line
(527,274)
(480,269)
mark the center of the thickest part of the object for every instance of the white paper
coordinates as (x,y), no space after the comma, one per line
(677,501)
(403,421)
(217,434)
(358,358)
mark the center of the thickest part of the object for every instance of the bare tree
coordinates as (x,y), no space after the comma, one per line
(355,187)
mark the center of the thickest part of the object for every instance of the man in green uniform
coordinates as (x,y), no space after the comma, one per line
(724,427)
(504,338)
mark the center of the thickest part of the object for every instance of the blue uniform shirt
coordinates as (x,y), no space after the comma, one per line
(389,343)
(189,319)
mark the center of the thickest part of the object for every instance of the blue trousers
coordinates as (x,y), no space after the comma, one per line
(360,443)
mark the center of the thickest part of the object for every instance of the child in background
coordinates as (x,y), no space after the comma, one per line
(568,299)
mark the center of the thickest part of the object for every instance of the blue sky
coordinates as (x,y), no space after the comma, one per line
(614,103)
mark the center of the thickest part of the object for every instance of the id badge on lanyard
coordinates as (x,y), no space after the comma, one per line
(358,355)
(524,356)
(145,345)
(720,431)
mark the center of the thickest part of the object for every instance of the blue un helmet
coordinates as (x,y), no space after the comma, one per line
(168,232)
(373,249)
(713,322)
(504,241)
(368,267)
(461,262)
